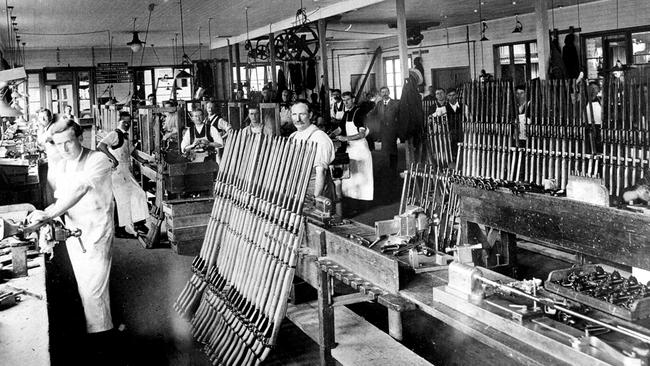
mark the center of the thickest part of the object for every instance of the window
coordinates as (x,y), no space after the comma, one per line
(594,48)
(393,76)
(258,76)
(162,81)
(641,48)
(33,93)
(602,50)
(517,61)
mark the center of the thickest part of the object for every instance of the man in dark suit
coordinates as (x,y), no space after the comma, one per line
(385,112)
(455,117)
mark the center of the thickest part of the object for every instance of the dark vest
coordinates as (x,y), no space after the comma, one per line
(205,133)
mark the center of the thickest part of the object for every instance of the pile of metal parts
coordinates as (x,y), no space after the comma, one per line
(609,287)
(241,280)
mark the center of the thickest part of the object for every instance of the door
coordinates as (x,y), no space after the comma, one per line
(59,96)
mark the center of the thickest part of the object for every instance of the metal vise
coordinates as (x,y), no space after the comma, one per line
(464,282)
(408,224)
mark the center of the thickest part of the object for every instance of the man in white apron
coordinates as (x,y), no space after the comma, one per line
(130,198)
(84,197)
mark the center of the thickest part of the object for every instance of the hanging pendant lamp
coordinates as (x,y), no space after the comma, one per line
(136,43)
(518,25)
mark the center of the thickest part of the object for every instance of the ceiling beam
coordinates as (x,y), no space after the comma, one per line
(277,27)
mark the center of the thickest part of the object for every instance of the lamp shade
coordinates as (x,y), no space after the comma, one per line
(183,75)
(7,111)
(136,43)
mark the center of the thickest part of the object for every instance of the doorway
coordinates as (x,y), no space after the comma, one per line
(59,96)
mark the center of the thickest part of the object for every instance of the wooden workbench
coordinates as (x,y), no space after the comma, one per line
(597,232)
(24,333)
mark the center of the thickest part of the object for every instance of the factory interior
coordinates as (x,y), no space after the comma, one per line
(324,182)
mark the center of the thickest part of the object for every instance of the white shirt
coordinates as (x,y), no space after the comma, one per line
(454,106)
(598,113)
(222,124)
(324,146)
(213,131)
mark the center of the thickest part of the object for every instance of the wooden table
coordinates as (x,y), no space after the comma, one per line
(618,236)
(24,333)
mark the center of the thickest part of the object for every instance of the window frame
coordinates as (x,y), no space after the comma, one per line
(511,56)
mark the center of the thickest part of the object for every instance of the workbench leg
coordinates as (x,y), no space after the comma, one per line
(325,321)
(395,324)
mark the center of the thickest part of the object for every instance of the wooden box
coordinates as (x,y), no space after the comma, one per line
(187,221)
(14,171)
(190,177)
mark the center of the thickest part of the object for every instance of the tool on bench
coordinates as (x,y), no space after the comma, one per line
(52,230)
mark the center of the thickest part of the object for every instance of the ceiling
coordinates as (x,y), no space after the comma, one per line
(84,23)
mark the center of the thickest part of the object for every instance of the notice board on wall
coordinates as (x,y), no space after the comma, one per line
(112,73)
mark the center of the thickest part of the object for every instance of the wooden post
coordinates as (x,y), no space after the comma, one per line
(395,324)
(230,75)
(325,312)
(274,75)
(543,41)
(403,58)
(401,39)
(237,64)
(322,35)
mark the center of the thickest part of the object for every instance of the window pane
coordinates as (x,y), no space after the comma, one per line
(641,47)
(594,47)
(398,92)
(389,66)
(519,53)
(504,55)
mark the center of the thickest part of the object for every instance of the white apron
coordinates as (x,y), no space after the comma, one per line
(361,184)
(93,214)
(130,199)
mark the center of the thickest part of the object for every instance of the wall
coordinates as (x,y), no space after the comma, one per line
(40,58)
(594,17)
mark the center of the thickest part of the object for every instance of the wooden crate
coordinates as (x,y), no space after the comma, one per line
(14,171)
(190,177)
(187,221)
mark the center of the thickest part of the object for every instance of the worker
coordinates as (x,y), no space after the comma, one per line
(440,103)
(286,123)
(67,111)
(201,139)
(44,122)
(385,113)
(595,109)
(84,198)
(336,107)
(170,127)
(320,181)
(360,186)
(216,120)
(256,125)
(455,111)
(523,111)
(130,198)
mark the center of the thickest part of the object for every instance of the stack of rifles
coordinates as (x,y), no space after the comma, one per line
(560,139)
(241,280)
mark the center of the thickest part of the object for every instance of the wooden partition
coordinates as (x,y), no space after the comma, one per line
(237,114)
(270,116)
